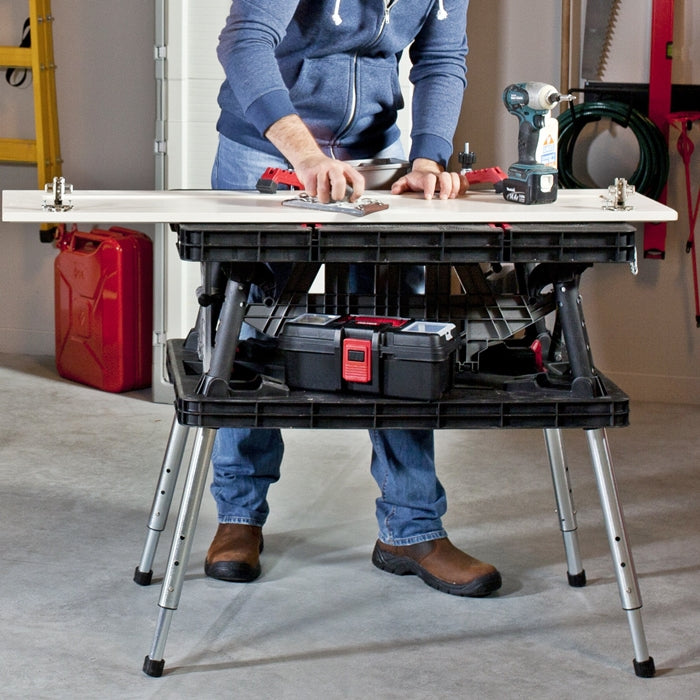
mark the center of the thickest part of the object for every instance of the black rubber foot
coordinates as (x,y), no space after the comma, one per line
(155,668)
(644,669)
(577,580)
(143,578)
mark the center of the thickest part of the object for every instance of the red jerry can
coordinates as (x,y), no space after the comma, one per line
(104,308)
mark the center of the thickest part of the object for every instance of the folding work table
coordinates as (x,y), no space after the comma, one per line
(232,233)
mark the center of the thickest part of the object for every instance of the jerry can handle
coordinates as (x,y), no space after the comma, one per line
(80,241)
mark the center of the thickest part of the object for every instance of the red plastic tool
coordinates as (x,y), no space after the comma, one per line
(685,147)
(494,175)
(268,181)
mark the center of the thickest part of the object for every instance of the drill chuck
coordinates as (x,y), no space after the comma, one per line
(539,97)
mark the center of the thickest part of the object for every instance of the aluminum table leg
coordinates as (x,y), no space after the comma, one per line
(619,548)
(181,546)
(565,506)
(162,500)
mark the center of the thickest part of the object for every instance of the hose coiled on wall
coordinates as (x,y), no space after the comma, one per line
(651,173)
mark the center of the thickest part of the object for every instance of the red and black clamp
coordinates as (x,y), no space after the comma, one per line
(272,177)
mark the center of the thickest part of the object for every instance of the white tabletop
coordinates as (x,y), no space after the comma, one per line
(206,206)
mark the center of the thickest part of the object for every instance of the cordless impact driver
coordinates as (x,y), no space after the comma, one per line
(529,181)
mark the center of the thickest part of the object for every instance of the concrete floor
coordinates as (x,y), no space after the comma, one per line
(78,468)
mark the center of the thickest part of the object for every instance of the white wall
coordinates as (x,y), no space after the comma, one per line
(646,339)
(654,311)
(642,328)
(104,79)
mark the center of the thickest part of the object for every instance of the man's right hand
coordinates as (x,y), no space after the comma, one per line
(330,179)
(322,177)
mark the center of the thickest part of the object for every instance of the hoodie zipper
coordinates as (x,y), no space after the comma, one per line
(388,4)
(387,9)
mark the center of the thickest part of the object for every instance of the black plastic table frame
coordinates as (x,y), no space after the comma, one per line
(553,253)
(407,243)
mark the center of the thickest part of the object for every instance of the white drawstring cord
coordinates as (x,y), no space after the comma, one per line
(337,19)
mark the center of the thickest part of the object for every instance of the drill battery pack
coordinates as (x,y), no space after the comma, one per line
(530,184)
(104,308)
(386,356)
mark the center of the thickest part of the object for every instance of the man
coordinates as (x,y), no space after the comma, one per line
(314,83)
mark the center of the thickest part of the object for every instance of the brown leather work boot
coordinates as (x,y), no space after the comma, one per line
(441,565)
(234,554)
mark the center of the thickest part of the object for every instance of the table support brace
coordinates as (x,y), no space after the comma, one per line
(585,379)
(215,381)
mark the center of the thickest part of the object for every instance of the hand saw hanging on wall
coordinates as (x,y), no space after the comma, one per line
(601,18)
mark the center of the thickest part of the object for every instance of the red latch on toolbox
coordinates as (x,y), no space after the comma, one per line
(357,360)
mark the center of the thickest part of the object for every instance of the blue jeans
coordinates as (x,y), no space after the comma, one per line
(247,461)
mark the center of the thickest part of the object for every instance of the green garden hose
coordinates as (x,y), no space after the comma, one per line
(649,178)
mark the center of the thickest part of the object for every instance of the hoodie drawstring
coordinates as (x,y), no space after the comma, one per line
(337,19)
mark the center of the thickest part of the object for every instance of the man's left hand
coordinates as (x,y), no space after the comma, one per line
(428,177)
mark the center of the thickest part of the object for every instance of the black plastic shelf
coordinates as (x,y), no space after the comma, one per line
(407,243)
(462,408)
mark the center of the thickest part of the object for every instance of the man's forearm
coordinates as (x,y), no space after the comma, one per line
(322,176)
(293,140)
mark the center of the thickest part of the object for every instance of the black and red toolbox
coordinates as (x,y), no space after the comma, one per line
(386,356)
(104,307)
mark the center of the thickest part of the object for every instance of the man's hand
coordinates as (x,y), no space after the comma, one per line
(428,177)
(329,179)
(323,177)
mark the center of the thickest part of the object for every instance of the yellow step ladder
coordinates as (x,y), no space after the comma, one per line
(43,150)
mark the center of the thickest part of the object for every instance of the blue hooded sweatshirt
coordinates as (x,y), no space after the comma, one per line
(335,64)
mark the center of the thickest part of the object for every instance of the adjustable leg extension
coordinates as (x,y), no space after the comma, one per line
(162,500)
(565,506)
(182,544)
(620,550)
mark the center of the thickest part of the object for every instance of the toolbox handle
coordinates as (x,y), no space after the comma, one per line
(377,320)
